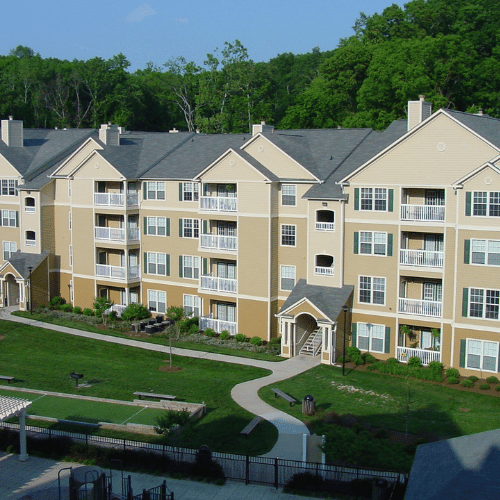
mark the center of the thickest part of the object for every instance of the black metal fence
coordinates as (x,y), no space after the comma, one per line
(257,470)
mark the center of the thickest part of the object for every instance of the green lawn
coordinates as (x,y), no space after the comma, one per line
(43,359)
(435,409)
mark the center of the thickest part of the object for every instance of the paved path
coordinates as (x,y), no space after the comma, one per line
(291,430)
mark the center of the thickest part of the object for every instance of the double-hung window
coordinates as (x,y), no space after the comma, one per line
(372,243)
(9,247)
(156,263)
(189,228)
(8,218)
(154,190)
(371,290)
(289,194)
(484,303)
(288,233)
(287,277)
(190,267)
(371,337)
(192,305)
(190,191)
(485,252)
(156,226)
(8,187)
(484,204)
(373,199)
(157,301)
(481,355)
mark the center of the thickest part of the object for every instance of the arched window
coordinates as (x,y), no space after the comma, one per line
(325,220)
(30,238)
(324,265)
(29,204)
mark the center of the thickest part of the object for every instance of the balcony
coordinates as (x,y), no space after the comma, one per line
(116,199)
(324,271)
(415,307)
(215,242)
(117,272)
(215,284)
(219,203)
(218,325)
(325,226)
(116,234)
(423,213)
(30,243)
(420,258)
(403,354)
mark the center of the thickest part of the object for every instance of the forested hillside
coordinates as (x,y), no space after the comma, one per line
(445,49)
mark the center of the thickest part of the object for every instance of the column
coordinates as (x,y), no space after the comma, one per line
(23,456)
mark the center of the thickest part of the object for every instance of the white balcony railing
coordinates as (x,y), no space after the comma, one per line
(420,258)
(215,284)
(423,212)
(116,199)
(415,307)
(117,272)
(30,210)
(219,242)
(426,356)
(30,243)
(219,203)
(325,226)
(218,325)
(117,233)
(324,271)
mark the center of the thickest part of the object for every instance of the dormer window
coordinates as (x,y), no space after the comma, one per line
(29,204)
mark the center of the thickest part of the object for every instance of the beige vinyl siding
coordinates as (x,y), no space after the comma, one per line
(253,318)
(78,157)
(84,248)
(379,320)
(84,291)
(462,334)
(230,169)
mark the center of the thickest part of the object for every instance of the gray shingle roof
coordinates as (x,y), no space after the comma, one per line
(22,261)
(484,125)
(328,299)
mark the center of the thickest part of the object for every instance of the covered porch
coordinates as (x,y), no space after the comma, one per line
(420,341)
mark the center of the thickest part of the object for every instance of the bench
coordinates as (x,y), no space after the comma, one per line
(286,397)
(251,426)
(151,395)
(5,377)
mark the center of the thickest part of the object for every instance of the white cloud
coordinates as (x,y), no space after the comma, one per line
(137,15)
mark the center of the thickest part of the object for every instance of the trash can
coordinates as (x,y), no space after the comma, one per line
(380,489)
(308,405)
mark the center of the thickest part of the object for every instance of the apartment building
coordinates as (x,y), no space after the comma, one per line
(387,239)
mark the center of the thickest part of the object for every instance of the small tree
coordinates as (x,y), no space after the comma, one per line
(101,305)
(135,312)
(175,314)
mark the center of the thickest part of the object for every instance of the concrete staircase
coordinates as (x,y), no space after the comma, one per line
(312,345)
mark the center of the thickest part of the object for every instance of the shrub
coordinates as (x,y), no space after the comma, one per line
(210,333)
(113,316)
(467,382)
(392,361)
(342,358)
(194,329)
(171,418)
(498,388)
(224,335)
(57,302)
(275,341)
(67,308)
(353,351)
(135,312)
(372,367)
(77,310)
(492,380)
(436,367)
(369,359)
(357,359)
(88,312)
(240,338)
(451,372)
(256,341)
(414,362)
(452,380)
(484,387)
(473,378)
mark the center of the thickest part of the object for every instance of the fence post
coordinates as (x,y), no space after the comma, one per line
(164,490)
(146,495)
(247,470)
(276,473)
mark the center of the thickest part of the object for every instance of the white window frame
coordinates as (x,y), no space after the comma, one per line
(373,196)
(8,218)
(486,201)
(32,240)
(30,209)
(190,191)
(370,335)
(288,195)
(192,304)
(292,234)
(191,228)
(479,346)
(478,247)
(154,261)
(154,224)
(191,265)
(381,285)
(482,298)
(70,220)
(368,243)
(8,187)
(70,255)
(154,190)
(155,300)
(287,273)
(69,188)
(8,248)
(71,292)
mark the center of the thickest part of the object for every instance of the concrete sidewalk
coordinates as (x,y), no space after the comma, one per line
(37,479)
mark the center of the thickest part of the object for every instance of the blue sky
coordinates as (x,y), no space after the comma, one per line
(157,30)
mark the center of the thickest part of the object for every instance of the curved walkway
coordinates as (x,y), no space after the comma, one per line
(291,430)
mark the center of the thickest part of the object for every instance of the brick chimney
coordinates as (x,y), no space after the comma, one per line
(13,133)
(418,111)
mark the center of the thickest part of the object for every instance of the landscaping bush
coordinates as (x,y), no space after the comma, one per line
(353,351)
(452,372)
(256,341)
(436,367)
(357,359)
(452,380)
(392,361)
(210,333)
(372,367)
(369,359)
(492,380)
(467,383)
(224,335)
(498,388)
(56,302)
(240,338)
(275,341)
(484,387)
(194,329)
(473,378)
(88,312)
(135,312)
(67,308)
(112,316)
(170,419)
(342,358)
(77,310)
(414,362)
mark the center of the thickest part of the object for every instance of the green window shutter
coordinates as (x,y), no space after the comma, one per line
(467,252)
(180,191)
(180,266)
(390,239)
(17,219)
(145,262)
(180,228)
(205,227)
(468,203)
(205,266)
(144,190)
(145,225)
(462,352)
(465,303)
(354,334)
(356,199)
(168,226)
(356,242)
(387,339)
(390,205)
(168,264)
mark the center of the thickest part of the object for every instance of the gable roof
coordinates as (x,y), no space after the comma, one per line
(21,261)
(483,125)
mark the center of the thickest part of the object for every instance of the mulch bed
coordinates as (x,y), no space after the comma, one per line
(169,369)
